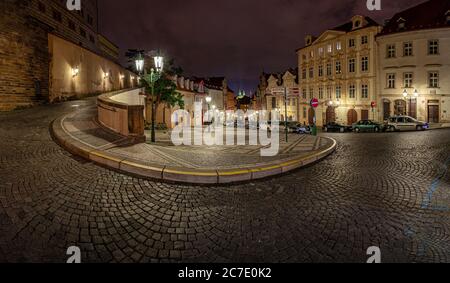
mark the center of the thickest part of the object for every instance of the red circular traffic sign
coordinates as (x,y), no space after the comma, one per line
(315,102)
(373,104)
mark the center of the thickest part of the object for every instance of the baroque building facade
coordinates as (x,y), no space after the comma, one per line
(414,63)
(271,89)
(339,68)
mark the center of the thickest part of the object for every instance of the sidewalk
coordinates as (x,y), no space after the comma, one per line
(436,126)
(81,134)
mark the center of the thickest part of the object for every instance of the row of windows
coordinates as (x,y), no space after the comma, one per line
(352,92)
(408,80)
(408,50)
(57,16)
(338,68)
(364,40)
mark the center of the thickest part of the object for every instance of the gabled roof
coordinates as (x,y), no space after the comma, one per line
(348,27)
(345,28)
(428,15)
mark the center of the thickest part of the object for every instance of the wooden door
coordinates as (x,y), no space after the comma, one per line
(433,113)
(352,117)
(331,115)
(364,114)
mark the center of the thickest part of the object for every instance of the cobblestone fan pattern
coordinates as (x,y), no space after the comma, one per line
(386,190)
(82,125)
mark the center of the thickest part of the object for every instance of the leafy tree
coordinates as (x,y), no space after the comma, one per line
(164,89)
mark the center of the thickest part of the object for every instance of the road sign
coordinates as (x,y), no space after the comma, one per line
(373,104)
(314,102)
(290,90)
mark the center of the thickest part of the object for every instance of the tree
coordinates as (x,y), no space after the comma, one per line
(164,88)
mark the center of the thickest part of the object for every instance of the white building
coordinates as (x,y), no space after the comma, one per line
(414,63)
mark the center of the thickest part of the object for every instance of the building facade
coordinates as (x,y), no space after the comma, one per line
(339,69)
(194,90)
(271,87)
(31,35)
(414,63)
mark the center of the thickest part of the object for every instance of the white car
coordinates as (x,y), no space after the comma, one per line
(404,123)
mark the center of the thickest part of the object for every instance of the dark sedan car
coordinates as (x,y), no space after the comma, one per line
(335,127)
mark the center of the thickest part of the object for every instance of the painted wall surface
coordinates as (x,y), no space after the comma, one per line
(123,113)
(419,65)
(95,73)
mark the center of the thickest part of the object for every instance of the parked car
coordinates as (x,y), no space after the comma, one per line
(367,126)
(292,126)
(302,129)
(405,123)
(335,127)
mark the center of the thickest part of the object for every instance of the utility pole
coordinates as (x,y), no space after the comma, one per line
(285,113)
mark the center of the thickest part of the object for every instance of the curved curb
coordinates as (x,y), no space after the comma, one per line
(183,175)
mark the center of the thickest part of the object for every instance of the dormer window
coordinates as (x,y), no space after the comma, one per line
(308,40)
(358,22)
(401,24)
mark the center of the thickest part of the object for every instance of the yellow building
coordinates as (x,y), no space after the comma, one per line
(339,68)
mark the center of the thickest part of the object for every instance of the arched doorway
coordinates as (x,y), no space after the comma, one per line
(400,107)
(386,109)
(311,116)
(331,114)
(352,117)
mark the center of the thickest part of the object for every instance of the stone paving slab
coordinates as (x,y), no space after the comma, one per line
(81,134)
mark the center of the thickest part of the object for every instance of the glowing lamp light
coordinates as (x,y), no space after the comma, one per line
(159,63)
(105,75)
(405,93)
(75,71)
(416,93)
(139,63)
(208,99)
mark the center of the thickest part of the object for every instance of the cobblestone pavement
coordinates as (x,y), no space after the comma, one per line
(386,190)
(83,127)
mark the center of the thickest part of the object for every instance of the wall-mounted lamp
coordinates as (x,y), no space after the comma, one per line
(105,75)
(75,72)
(122,77)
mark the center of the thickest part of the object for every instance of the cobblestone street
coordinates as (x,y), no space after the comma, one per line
(389,190)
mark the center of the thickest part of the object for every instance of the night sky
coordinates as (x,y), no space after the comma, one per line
(233,38)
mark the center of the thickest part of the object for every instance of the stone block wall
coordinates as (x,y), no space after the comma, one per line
(24,57)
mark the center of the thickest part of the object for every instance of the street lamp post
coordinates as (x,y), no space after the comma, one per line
(155,75)
(139,64)
(208,100)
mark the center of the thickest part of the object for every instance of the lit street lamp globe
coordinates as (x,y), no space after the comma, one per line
(139,63)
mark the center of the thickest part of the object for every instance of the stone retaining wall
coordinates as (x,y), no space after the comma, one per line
(123,113)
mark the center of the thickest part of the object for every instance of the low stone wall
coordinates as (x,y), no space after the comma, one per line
(123,113)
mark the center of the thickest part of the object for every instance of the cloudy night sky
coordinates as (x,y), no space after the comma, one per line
(233,38)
